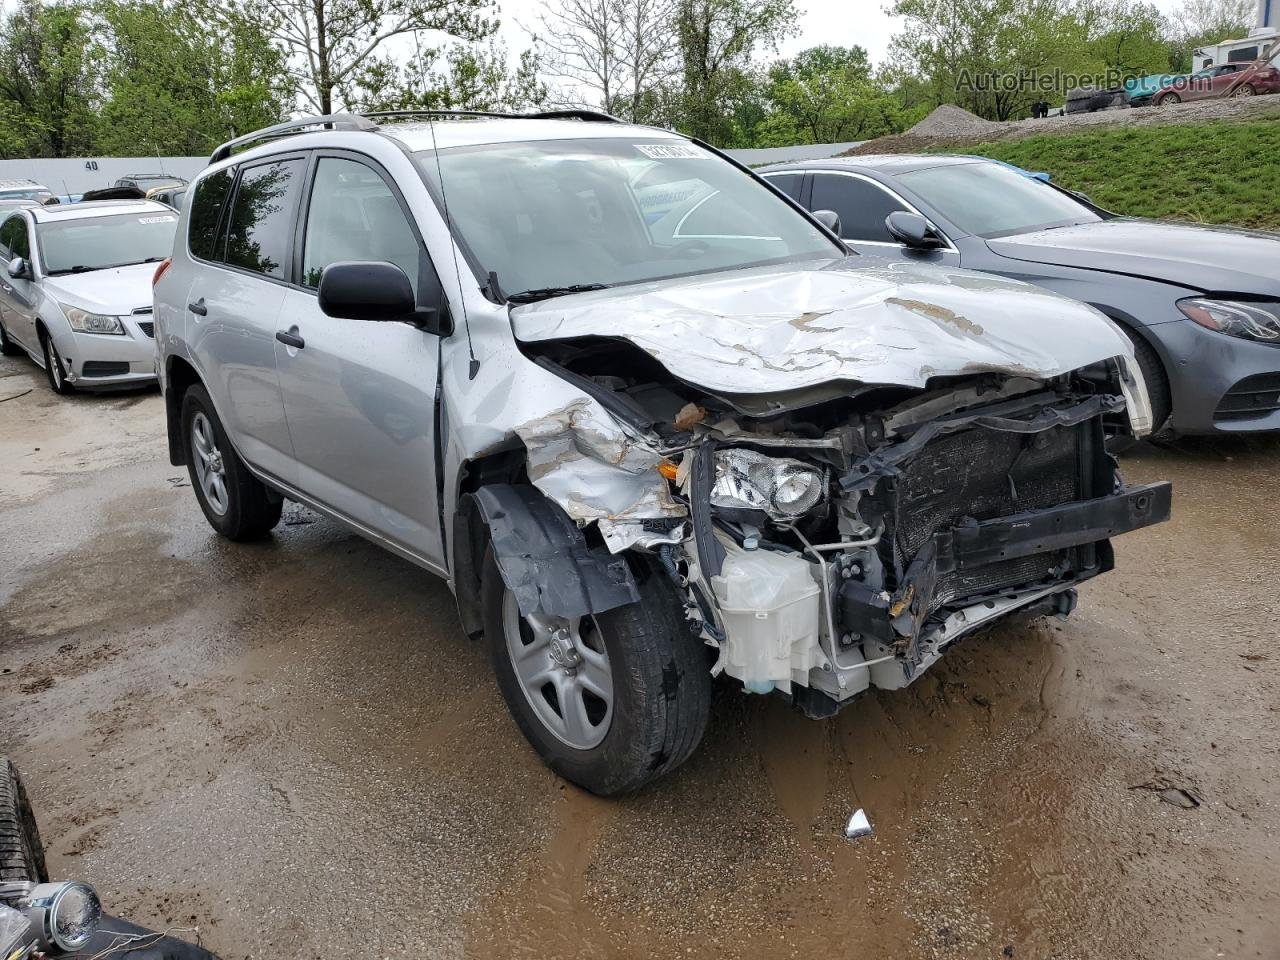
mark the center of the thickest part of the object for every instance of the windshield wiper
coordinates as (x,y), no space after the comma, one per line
(78,268)
(546,293)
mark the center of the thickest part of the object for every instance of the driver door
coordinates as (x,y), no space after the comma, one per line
(359,396)
(862,205)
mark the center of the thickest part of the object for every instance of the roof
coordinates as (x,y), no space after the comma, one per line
(416,133)
(891,164)
(15,183)
(95,208)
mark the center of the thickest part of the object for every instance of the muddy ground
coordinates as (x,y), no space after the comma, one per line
(291,746)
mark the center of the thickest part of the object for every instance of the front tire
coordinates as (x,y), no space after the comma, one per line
(54,369)
(235,502)
(21,852)
(611,701)
(1244,90)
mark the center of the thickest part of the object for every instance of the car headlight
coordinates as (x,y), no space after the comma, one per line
(82,321)
(784,489)
(68,913)
(14,930)
(1253,321)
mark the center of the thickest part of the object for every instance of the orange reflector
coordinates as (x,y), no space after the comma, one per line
(668,469)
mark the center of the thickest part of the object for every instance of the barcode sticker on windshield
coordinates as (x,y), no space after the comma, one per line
(157,219)
(672,151)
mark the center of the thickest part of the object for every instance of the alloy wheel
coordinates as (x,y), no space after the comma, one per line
(211,469)
(563,670)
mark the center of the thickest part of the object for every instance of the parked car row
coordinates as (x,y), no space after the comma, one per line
(1236,79)
(655,417)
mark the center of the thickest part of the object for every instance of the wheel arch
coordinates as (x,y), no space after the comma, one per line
(180,376)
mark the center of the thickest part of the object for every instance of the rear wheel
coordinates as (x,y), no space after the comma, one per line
(7,346)
(53,366)
(1244,90)
(1168,100)
(21,852)
(235,502)
(610,701)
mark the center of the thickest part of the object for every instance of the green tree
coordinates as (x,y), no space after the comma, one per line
(717,39)
(461,77)
(335,48)
(826,94)
(173,86)
(48,101)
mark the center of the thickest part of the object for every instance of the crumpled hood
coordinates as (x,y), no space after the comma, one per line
(117,292)
(1219,259)
(777,329)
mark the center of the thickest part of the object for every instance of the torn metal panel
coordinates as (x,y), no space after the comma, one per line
(581,458)
(786,328)
(544,558)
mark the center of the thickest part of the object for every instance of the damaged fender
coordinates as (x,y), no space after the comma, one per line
(544,559)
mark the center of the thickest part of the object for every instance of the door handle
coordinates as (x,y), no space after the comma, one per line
(198,308)
(290,339)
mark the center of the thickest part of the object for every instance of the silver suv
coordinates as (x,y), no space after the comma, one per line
(643,412)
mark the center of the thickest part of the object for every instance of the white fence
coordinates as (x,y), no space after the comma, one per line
(73,175)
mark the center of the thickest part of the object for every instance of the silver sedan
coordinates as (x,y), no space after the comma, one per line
(75,293)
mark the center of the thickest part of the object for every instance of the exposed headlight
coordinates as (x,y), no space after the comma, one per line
(1253,321)
(14,930)
(82,321)
(69,913)
(782,488)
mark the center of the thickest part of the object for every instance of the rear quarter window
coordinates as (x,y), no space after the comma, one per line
(206,212)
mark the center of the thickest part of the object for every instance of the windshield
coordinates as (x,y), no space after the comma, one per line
(554,214)
(25,193)
(94,243)
(988,200)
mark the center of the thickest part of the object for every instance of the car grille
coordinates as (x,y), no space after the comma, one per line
(104,368)
(148,327)
(986,474)
(1252,397)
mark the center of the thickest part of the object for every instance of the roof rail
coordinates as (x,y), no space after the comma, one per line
(332,121)
(366,121)
(574,114)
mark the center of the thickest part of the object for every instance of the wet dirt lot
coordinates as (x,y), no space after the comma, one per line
(292,746)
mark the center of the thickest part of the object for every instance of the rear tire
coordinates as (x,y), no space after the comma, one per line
(660,691)
(21,852)
(53,367)
(1244,90)
(1169,99)
(235,502)
(7,347)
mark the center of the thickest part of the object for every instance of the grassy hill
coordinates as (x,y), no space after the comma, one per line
(1218,172)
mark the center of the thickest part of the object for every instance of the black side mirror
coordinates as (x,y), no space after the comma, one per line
(912,230)
(20,268)
(829,219)
(377,291)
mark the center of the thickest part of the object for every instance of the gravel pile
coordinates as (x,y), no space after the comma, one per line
(953,127)
(951,121)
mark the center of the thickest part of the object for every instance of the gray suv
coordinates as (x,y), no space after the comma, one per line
(643,412)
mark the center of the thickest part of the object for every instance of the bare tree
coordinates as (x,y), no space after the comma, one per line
(581,41)
(333,44)
(649,47)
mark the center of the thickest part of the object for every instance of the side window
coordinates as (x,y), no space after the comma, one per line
(17,239)
(206,210)
(260,225)
(354,215)
(862,206)
(788,183)
(7,233)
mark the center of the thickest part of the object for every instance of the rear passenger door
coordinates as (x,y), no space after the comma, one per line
(242,227)
(862,205)
(360,395)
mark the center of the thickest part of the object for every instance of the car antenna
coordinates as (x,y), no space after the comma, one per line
(474,366)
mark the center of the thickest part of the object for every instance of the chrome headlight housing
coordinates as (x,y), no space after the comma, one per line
(1235,318)
(82,321)
(782,488)
(68,913)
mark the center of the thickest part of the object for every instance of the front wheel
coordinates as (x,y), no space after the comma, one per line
(1169,99)
(1244,90)
(235,502)
(21,852)
(610,701)
(54,368)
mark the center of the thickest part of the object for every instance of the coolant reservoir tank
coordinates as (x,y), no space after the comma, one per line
(769,605)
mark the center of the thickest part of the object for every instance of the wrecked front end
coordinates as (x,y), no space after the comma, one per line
(841,535)
(845,544)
